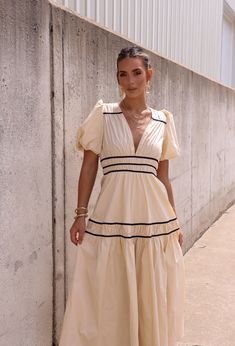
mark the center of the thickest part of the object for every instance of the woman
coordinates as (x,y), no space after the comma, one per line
(128,284)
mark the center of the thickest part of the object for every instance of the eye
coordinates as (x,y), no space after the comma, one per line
(138,72)
(122,74)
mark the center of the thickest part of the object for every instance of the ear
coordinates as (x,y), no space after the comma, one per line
(149,74)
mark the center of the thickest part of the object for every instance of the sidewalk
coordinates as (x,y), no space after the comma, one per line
(210,286)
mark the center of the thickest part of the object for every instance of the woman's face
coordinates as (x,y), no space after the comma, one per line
(132,76)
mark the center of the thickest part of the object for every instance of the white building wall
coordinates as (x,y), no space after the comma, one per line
(227,74)
(186,31)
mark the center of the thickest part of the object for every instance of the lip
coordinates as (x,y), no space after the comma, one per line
(133,89)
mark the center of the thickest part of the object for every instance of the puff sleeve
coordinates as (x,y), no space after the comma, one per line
(170,147)
(90,133)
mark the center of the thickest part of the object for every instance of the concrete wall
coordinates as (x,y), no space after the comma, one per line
(55,65)
(26,261)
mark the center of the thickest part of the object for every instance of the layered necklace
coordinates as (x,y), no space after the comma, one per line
(136,119)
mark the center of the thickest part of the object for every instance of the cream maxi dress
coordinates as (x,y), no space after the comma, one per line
(128,283)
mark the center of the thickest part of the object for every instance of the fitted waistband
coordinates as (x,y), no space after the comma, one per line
(131,164)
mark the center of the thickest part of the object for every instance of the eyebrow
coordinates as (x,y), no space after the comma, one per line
(136,69)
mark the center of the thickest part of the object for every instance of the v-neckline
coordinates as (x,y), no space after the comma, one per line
(135,149)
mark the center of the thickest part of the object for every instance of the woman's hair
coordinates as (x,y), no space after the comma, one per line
(134,52)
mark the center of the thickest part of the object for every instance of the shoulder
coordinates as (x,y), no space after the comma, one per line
(162,115)
(165,115)
(110,108)
(102,110)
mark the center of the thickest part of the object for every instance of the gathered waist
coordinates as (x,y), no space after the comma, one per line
(131,164)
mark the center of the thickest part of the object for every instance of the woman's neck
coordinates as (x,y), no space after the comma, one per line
(135,104)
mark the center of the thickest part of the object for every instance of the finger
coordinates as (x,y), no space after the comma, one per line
(73,237)
(80,237)
(181,239)
(74,241)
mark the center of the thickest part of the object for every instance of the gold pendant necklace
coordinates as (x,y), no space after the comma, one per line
(136,119)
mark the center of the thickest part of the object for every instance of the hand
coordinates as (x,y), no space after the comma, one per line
(78,229)
(181,236)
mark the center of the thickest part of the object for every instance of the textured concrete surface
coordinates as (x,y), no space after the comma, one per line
(55,65)
(26,262)
(210,286)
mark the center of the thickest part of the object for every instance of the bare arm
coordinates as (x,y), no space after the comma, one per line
(87,177)
(85,185)
(163,175)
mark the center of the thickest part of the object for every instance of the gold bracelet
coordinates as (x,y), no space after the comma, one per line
(80,215)
(83,208)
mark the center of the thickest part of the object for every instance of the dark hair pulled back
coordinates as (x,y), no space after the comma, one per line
(134,52)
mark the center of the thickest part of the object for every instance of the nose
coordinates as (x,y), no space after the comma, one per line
(131,81)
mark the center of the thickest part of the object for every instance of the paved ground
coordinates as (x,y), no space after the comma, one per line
(210,286)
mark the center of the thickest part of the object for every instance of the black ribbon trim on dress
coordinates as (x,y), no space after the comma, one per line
(112,112)
(133,224)
(132,236)
(162,121)
(130,164)
(129,170)
(125,157)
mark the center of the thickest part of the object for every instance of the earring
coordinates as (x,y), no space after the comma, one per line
(147,88)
